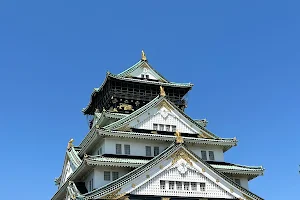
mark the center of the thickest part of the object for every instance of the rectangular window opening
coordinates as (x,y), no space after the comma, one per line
(173,128)
(167,127)
(148,150)
(202,187)
(238,181)
(127,149)
(186,185)
(178,185)
(161,127)
(203,155)
(211,155)
(162,185)
(156,151)
(194,186)
(118,149)
(115,175)
(106,175)
(155,126)
(171,185)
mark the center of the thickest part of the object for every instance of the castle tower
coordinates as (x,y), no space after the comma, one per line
(142,145)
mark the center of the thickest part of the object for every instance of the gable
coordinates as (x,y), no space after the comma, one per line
(67,171)
(142,67)
(166,115)
(176,163)
(182,180)
(145,70)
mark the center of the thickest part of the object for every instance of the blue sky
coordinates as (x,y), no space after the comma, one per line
(243,58)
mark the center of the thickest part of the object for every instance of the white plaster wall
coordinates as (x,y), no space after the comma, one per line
(145,71)
(87,180)
(218,151)
(244,181)
(66,172)
(99,174)
(137,147)
(166,117)
(100,145)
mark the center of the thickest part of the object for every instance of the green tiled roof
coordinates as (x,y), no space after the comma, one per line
(98,160)
(146,107)
(98,193)
(238,167)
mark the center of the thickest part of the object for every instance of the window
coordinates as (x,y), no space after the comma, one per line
(178,185)
(99,152)
(203,155)
(91,185)
(162,185)
(186,185)
(161,127)
(148,151)
(106,176)
(118,149)
(127,149)
(115,175)
(155,126)
(211,155)
(194,186)
(142,75)
(202,186)
(147,76)
(173,128)
(167,127)
(156,151)
(171,185)
(238,181)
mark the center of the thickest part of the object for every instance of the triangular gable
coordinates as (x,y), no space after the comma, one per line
(143,68)
(175,164)
(71,162)
(160,110)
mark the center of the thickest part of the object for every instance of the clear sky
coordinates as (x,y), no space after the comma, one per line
(243,58)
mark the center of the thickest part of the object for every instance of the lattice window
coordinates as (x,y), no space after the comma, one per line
(203,155)
(178,185)
(161,127)
(162,185)
(211,155)
(155,126)
(186,185)
(118,149)
(171,185)
(156,151)
(238,181)
(106,175)
(127,149)
(194,186)
(202,187)
(148,150)
(115,175)
(173,128)
(167,127)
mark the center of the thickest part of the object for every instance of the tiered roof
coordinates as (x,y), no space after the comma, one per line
(125,75)
(143,166)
